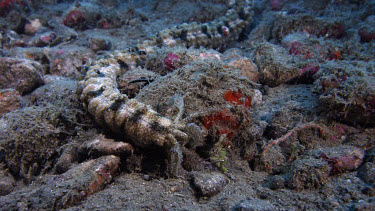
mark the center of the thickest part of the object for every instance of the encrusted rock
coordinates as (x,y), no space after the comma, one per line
(308,24)
(367,172)
(32,135)
(275,65)
(254,204)
(43,39)
(10,100)
(133,80)
(308,173)
(7,183)
(10,39)
(20,74)
(247,68)
(68,61)
(209,184)
(104,146)
(64,35)
(342,158)
(69,154)
(99,44)
(347,91)
(277,182)
(62,191)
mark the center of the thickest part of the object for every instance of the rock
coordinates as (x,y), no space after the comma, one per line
(320,27)
(232,54)
(7,183)
(69,154)
(99,44)
(16,21)
(209,184)
(44,39)
(261,32)
(254,204)
(10,100)
(308,173)
(64,35)
(62,191)
(347,92)
(310,48)
(132,81)
(32,135)
(342,158)
(277,182)
(31,53)
(364,205)
(32,26)
(275,65)
(10,39)
(367,172)
(67,61)
(20,74)
(3,153)
(104,146)
(247,68)
(85,15)
(59,91)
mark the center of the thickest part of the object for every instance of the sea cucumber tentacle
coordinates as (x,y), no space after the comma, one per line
(99,93)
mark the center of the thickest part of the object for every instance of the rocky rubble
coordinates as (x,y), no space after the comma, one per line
(284,122)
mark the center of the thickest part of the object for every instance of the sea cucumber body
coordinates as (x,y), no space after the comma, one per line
(139,122)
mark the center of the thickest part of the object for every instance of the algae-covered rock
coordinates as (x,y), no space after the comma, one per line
(309,173)
(65,190)
(31,136)
(347,92)
(254,204)
(275,65)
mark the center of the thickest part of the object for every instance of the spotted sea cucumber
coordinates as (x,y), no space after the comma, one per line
(115,111)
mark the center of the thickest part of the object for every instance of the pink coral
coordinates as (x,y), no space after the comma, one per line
(170,61)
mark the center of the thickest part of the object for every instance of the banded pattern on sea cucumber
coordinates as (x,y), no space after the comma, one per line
(144,126)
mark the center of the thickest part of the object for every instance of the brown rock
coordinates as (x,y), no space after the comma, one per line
(209,184)
(6,183)
(67,61)
(342,158)
(309,173)
(68,156)
(20,74)
(275,65)
(247,68)
(99,44)
(32,26)
(10,100)
(232,54)
(104,146)
(62,191)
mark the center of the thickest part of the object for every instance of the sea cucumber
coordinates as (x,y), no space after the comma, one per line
(115,111)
